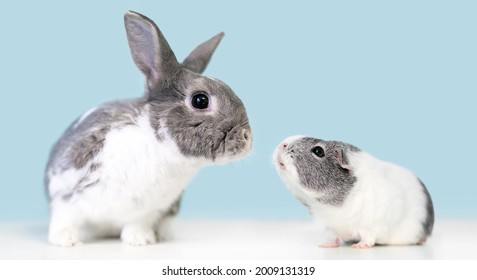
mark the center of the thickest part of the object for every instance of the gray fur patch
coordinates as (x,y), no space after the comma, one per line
(81,186)
(428,223)
(197,133)
(156,122)
(85,182)
(173,209)
(82,141)
(322,175)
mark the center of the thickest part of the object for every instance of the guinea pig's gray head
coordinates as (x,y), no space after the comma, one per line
(202,115)
(320,167)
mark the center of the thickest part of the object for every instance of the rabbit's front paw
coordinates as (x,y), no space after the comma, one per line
(64,238)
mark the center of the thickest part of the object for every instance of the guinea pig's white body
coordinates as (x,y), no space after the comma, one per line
(386,204)
(134,164)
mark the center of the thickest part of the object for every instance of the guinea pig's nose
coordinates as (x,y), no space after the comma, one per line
(284,145)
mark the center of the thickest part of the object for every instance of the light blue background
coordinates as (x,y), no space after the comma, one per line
(398,80)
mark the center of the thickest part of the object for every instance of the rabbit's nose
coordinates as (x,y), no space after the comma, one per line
(246,134)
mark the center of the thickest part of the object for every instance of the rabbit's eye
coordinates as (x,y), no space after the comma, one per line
(318,151)
(200,100)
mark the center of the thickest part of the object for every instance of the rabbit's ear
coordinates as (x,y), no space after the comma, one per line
(149,49)
(199,58)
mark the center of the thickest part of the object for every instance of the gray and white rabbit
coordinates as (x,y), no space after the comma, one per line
(357,196)
(121,168)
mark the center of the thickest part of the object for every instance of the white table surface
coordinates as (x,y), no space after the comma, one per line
(251,240)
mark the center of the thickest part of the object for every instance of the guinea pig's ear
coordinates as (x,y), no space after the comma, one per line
(198,59)
(340,156)
(150,50)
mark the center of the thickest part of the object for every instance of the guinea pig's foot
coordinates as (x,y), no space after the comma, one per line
(361,245)
(333,244)
(422,241)
(138,236)
(64,238)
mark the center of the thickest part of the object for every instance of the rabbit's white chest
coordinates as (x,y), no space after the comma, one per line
(139,173)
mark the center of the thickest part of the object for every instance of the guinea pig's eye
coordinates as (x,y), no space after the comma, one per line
(200,100)
(318,151)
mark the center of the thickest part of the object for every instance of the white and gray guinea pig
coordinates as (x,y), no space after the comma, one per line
(359,198)
(122,167)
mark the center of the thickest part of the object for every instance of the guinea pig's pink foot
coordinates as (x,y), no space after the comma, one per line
(361,245)
(422,241)
(334,244)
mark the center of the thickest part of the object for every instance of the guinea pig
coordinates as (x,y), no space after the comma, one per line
(359,198)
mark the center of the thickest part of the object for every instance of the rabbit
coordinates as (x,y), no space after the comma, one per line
(122,167)
(358,197)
